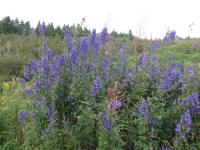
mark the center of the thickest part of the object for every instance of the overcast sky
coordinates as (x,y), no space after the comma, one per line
(161,14)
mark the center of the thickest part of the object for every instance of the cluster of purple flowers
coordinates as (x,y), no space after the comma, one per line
(105,62)
(184,121)
(66,36)
(70,98)
(106,123)
(122,60)
(144,109)
(129,74)
(96,47)
(92,38)
(190,102)
(47,69)
(190,70)
(114,104)
(120,46)
(94,89)
(152,132)
(22,115)
(171,77)
(152,120)
(84,46)
(103,36)
(154,67)
(51,113)
(143,61)
(165,148)
(41,30)
(169,36)
(153,46)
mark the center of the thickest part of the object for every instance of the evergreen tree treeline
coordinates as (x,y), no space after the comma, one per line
(14,26)
(10,26)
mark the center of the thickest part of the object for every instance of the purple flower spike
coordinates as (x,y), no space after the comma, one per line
(41,30)
(120,46)
(106,124)
(105,62)
(144,108)
(178,128)
(22,115)
(94,89)
(103,36)
(66,36)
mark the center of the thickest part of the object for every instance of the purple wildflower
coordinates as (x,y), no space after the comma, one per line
(151,148)
(105,62)
(122,60)
(22,82)
(70,98)
(44,46)
(186,119)
(103,36)
(143,61)
(152,120)
(176,140)
(184,137)
(26,75)
(36,84)
(96,47)
(169,36)
(120,46)
(41,30)
(94,89)
(72,56)
(152,133)
(172,35)
(114,104)
(178,128)
(166,39)
(22,115)
(153,46)
(50,54)
(165,148)
(84,46)
(33,64)
(170,78)
(33,115)
(66,36)
(154,59)
(92,37)
(44,100)
(26,68)
(79,148)
(106,124)
(144,108)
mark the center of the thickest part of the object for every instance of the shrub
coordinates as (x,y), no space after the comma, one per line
(91,97)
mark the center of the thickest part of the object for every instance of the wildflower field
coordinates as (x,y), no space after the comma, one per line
(98,96)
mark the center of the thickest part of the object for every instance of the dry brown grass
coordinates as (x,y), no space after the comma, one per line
(141,30)
(194,41)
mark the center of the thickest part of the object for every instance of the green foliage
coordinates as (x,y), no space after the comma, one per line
(10,129)
(49,31)
(6,25)
(62,114)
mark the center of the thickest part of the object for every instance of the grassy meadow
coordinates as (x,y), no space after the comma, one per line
(99,92)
